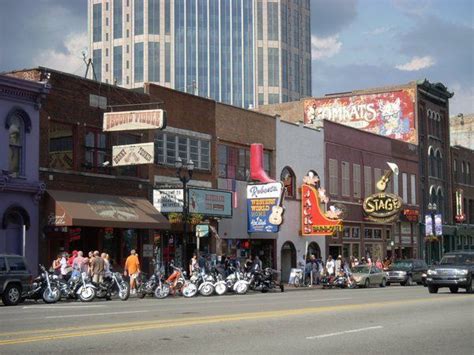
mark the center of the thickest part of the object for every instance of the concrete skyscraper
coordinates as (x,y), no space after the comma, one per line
(242,52)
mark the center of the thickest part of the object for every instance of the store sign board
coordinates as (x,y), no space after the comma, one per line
(438,225)
(210,202)
(168,200)
(134,120)
(264,209)
(428,225)
(314,221)
(382,207)
(133,154)
(411,215)
(390,114)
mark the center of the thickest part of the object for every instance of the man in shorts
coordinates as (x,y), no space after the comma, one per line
(132,267)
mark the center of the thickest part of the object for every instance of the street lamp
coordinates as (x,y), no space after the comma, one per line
(184,172)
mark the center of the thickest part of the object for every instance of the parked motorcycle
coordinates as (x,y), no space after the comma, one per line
(237,282)
(86,290)
(44,287)
(220,286)
(113,285)
(264,280)
(199,282)
(175,281)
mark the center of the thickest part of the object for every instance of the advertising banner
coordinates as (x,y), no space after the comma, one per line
(210,202)
(428,225)
(263,207)
(133,154)
(134,120)
(389,114)
(168,200)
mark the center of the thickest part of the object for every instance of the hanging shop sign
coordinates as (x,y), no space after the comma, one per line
(428,225)
(133,154)
(460,216)
(410,215)
(390,114)
(315,220)
(210,202)
(264,210)
(438,225)
(202,230)
(134,120)
(168,200)
(382,207)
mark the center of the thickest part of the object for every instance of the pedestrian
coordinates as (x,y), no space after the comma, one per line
(330,265)
(338,264)
(78,265)
(132,268)
(106,258)
(63,263)
(70,261)
(257,263)
(56,266)
(378,264)
(97,268)
(192,264)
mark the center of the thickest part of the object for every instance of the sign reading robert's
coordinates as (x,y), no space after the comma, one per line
(133,154)
(134,120)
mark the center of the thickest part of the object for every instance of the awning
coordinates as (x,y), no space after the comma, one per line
(66,208)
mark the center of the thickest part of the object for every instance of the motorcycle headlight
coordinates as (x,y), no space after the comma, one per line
(432,272)
(461,272)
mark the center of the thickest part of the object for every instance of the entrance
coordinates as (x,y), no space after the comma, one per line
(314,249)
(288,259)
(334,251)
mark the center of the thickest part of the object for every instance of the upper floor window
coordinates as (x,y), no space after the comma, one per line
(468,173)
(333,177)
(439,163)
(97,22)
(61,146)
(169,146)
(432,161)
(16,136)
(463,172)
(96,150)
(289,181)
(345,172)
(455,170)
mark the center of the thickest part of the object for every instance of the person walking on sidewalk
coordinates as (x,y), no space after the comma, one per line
(132,268)
(97,268)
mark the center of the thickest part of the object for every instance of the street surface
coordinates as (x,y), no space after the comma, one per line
(394,320)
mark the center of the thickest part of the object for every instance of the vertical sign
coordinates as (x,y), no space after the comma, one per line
(438,225)
(428,225)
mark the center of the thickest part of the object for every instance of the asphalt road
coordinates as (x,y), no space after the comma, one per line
(394,320)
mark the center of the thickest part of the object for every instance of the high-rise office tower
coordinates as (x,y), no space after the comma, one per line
(242,52)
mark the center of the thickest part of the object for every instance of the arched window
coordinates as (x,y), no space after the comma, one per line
(468,173)
(432,161)
(16,137)
(440,202)
(289,181)
(433,197)
(455,169)
(439,163)
(463,172)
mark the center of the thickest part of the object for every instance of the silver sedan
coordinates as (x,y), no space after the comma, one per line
(366,276)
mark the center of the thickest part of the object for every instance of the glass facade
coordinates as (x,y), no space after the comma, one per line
(191,46)
(237,52)
(203,49)
(167,62)
(97,63)
(154,61)
(214,65)
(179,32)
(273,67)
(117,19)
(248,54)
(138,17)
(118,65)
(138,62)
(225,52)
(154,17)
(167,17)
(272,18)
(97,23)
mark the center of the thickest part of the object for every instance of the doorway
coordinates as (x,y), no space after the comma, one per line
(288,260)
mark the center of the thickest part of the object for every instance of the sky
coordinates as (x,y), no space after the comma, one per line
(356,44)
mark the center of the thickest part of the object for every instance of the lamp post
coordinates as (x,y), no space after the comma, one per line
(184,172)
(432,209)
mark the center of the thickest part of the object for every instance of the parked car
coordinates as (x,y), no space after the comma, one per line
(15,279)
(366,276)
(406,272)
(455,271)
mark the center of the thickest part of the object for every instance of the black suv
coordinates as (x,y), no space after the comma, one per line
(406,272)
(454,271)
(15,279)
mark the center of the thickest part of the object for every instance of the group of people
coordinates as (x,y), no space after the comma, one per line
(225,265)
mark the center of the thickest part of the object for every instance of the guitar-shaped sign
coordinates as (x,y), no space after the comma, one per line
(276,217)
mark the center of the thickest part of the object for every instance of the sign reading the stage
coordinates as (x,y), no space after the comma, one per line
(382,207)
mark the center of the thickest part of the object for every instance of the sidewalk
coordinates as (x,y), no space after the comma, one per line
(291,288)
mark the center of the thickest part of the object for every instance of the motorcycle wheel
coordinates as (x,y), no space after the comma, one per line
(241,288)
(162,291)
(206,289)
(221,288)
(125,293)
(53,296)
(189,290)
(87,294)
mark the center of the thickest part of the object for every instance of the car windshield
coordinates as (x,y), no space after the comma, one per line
(456,259)
(361,270)
(401,265)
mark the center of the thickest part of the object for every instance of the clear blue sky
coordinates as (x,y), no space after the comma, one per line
(356,44)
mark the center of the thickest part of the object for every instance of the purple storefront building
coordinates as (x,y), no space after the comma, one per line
(20,188)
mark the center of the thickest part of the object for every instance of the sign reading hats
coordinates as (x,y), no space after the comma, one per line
(314,219)
(134,120)
(133,154)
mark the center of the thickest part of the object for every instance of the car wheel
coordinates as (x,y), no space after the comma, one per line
(387,283)
(432,289)
(11,295)
(454,289)
(384,283)
(367,283)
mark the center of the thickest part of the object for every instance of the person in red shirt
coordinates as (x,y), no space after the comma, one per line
(70,261)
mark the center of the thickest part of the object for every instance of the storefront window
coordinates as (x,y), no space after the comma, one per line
(369,233)
(61,146)
(346,250)
(387,234)
(377,234)
(347,232)
(130,238)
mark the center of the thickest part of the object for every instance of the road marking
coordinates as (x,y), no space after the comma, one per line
(94,330)
(330,299)
(93,314)
(63,306)
(344,332)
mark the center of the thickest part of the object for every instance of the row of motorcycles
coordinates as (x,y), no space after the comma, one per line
(206,283)
(51,288)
